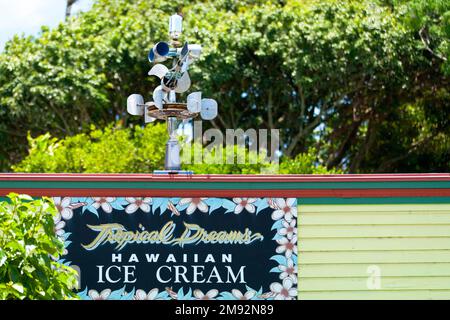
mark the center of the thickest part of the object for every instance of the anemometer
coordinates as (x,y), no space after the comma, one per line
(174,80)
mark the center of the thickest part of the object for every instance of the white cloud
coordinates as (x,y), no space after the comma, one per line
(27,16)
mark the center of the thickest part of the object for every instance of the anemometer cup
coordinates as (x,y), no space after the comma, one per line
(159,52)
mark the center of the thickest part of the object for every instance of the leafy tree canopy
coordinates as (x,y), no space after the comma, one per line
(28,250)
(141,150)
(364,82)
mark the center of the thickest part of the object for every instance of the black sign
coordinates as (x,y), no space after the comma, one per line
(181,248)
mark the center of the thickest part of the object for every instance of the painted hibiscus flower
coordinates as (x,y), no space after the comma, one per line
(288,271)
(284,291)
(240,296)
(142,295)
(104,203)
(138,203)
(194,204)
(287,246)
(210,295)
(289,229)
(63,206)
(59,225)
(244,203)
(99,296)
(287,209)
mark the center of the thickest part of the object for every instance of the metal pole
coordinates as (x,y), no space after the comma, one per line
(172,159)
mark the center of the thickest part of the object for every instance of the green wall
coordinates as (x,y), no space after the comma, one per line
(342,249)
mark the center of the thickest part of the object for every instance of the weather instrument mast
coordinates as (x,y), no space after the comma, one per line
(174,80)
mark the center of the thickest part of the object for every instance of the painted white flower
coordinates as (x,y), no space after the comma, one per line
(59,231)
(244,203)
(63,206)
(59,225)
(142,295)
(138,203)
(99,296)
(104,202)
(240,296)
(194,204)
(288,271)
(287,246)
(284,291)
(287,209)
(289,229)
(210,295)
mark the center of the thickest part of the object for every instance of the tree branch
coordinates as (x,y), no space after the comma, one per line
(313,124)
(385,165)
(69,5)
(269,109)
(61,116)
(426,42)
(333,161)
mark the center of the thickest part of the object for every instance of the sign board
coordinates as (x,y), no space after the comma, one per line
(180,248)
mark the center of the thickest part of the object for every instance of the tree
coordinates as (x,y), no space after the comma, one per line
(430,21)
(351,79)
(138,150)
(28,250)
(69,4)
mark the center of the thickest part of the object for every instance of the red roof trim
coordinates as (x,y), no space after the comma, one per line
(338,193)
(226,178)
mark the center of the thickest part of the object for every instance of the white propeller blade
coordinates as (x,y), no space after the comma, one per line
(194,102)
(209,109)
(158,70)
(184,51)
(194,51)
(183,84)
(185,65)
(135,105)
(159,97)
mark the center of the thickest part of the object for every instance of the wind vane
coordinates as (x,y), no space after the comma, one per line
(174,80)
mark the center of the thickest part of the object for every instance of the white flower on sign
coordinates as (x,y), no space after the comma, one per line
(63,206)
(104,203)
(288,271)
(287,246)
(142,295)
(210,295)
(99,296)
(284,291)
(138,203)
(240,296)
(59,225)
(244,203)
(289,229)
(287,209)
(194,204)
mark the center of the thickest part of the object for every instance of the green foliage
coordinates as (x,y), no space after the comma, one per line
(111,150)
(305,163)
(330,74)
(28,249)
(142,150)
(431,20)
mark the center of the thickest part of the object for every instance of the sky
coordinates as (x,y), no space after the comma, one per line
(27,16)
